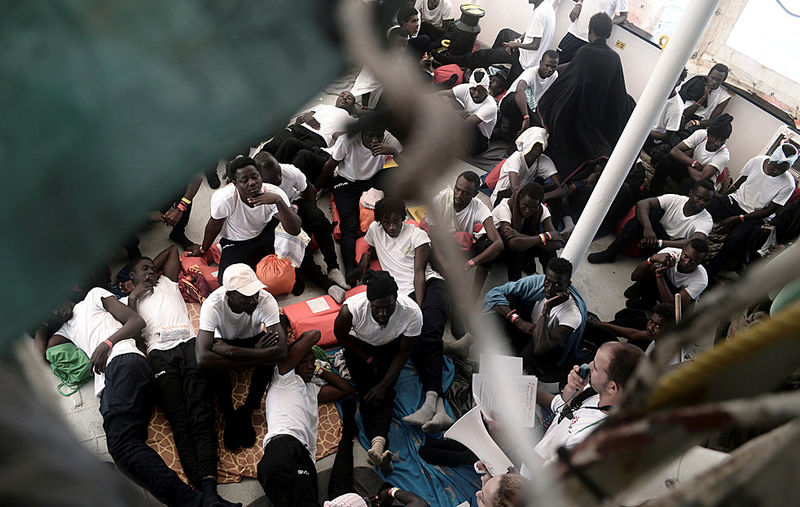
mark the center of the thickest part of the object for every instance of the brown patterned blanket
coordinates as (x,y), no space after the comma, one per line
(234,466)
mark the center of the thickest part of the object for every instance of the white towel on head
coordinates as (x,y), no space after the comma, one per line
(531,136)
(780,157)
(484,78)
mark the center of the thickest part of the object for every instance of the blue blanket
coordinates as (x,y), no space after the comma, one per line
(439,486)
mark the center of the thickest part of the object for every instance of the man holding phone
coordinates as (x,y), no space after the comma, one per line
(541,316)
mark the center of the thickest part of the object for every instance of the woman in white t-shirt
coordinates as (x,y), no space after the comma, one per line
(404,251)
(244,215)
(527,230)
(701,156)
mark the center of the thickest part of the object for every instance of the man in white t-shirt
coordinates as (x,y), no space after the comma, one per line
(584,404)
(182,388)
(522,51)
(669,220)
(701,156)
(244,215)
(479,108)
(376,329)
(526,165)
(666,273)
(105,329)
(461,216)
(359,163)
(542,317)
(295,185)
(669,121)
(313,130)
(287,471)
(436,17)
(764,187)
(713,101)
(404,251)
(240,327)
(577,34)
(518,107)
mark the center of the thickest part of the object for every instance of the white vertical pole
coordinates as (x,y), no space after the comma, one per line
(655,94)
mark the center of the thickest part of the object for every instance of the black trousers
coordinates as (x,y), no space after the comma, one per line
(542,365)
(427,350)
(648,290)
(126,405)
(183,392)
(484,58)
(667,167)
(288,474)
(376,415)
(511,118)
(480,142)
(285,144)
(308,160)
(315,222)
(347,193)
(634,231)
(517,261)
(737,246)
(568,46)
(723,206)
(220,381)
(249,251)
(446,452)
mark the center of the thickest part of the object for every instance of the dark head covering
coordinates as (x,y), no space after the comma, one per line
(720,126)
(380,284)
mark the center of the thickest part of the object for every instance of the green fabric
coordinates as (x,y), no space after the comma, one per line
(785,297)
(71,365)
(320,354)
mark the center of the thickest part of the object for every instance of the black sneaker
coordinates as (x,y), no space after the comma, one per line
(637,304)
(632,292)
(213,178)
(603,257)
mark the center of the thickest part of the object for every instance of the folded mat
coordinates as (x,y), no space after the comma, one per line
(233,466)
(440,486)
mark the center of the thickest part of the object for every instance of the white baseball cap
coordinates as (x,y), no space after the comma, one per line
(242,279)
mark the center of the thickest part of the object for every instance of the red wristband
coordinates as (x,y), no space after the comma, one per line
(510,313)
(370,359)
(110,345)
(741,218)
(514,318)
(649,262)
(471,263)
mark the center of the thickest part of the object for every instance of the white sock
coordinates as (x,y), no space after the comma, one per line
(460,347)
(440,421)
(425,412)
(375,452)
(568,223)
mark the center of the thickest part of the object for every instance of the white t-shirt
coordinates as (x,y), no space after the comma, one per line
(718,159)
(759,189)
(241,221)
(694,282)
(356,161)
(565,314)
(569,432)
(396,255)
(331,120)
(435,16)
(535,82)
(541,25)
(405,321)
(292,409)
(715,98)
(216,316)
(166,317)
(543,168)
(293,181)
(90,325)
(580,27)
(486,110)
(676,224)
(670,118)
(502,213)
(465,220)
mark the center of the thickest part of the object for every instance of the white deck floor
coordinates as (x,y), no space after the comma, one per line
(600,286)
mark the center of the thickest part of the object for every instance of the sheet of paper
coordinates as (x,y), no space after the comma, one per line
(523,392)
(318,305)
(470,431)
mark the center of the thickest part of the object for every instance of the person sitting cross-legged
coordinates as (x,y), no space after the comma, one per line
(543,319)
(527,164)
(245,215)
(376,329)
(240,327)
(287,472)
(527,230)
(404,251)
(666,273)
(181,386)
(478,108)
(670,220)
